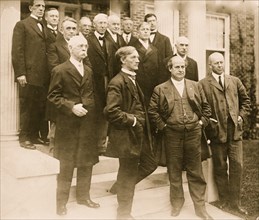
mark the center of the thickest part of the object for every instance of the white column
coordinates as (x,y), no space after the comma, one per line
(10,14)
(167,18)
(196,11)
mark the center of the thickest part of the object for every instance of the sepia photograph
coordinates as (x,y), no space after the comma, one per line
(129,109)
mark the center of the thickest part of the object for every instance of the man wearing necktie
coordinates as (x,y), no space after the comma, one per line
(163,45)
(30,67)
(71,91)
(179,109)
(127,32)
(230,106)
(129,133)
(52,19)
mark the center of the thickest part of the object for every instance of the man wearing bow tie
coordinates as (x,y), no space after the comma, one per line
(163,45)
(230,106)
(101,58)
(30,68)
(71,91)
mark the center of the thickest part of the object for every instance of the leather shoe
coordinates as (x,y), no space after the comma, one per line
(113,189)
(28,145)
(240,209)
(175,211)
(40,141)
(89,203)
(223,204)
(203,214)
(61,210)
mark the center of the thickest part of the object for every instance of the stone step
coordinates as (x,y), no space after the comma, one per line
(101,183)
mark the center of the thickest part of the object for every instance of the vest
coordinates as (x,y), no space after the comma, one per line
(182,117)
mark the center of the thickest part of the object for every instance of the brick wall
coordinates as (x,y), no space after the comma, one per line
(183,24)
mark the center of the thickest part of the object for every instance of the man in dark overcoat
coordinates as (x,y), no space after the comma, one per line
(230,106)
(182,45)
(71,91)
(30,67)
(178,108)
(129,136)
(163,45)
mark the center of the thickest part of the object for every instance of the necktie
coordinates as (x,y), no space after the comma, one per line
(40,24)
(133,77)
(127,39)
(54,32)
(220,82)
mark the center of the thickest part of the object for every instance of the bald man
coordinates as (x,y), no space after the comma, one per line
(71,91)
(179,108)
(182,45)
(230,105)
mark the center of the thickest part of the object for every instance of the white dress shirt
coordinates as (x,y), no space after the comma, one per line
(38,24)
(216,76)
(114,36)
(179,85)
(97,36)
(126,37)
(145,44)
(79,65)
(152,36)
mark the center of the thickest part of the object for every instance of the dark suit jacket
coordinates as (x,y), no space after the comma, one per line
(148,70)
(114,65)
(132,41)
(29,52)
(75,138)
(191,69)
(121,102)
(238,104)
(99,62)
(51,38)
(162,102)
(164,47)
(58,52)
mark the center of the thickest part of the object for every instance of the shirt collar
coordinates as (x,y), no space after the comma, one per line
(181,56)
(177,83)
(75,62)
(145,44)
(216,76)
(35,17)
(98,34)
(52,28)
(112,34)
(128,72)
(124,34)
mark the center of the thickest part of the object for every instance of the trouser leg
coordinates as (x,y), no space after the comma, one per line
(174,159)
(126,181)
(192,158)
(64,182)
(83,184)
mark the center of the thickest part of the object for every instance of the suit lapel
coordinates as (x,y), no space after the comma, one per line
(226,82)
(169,94)
(76,76)
(129,84)
(64,45)
(86,75)
(214,83)
(97,46)
(35,27)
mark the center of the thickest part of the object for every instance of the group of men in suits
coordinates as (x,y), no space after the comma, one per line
(101,87)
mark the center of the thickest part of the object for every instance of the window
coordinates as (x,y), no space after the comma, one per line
(217,35)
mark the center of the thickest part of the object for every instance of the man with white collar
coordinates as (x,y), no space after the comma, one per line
(148,71)
(127,32)
(182,44)
(99,57)
(85,26)
(30,67)
(52,19)
(72,92)
(114,42)
(230,107)
(178,108)
(163,45)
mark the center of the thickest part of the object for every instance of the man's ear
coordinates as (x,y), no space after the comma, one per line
(30,8)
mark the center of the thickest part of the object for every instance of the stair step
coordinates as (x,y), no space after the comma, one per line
(101,183)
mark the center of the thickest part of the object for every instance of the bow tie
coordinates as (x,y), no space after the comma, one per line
(101,38)
(152,33)
(39,22)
